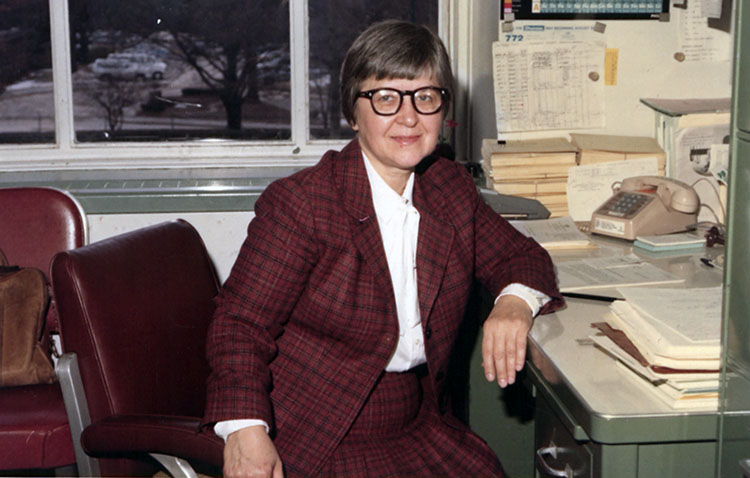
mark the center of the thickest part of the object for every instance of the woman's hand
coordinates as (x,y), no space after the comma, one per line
(250,453)
(504,341)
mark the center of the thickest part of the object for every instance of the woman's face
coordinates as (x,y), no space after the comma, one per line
(396,144)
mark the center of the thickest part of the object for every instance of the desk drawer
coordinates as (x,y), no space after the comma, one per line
(558,454)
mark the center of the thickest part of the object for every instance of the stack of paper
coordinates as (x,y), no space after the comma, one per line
(604,148)
(535,169)
(669,339)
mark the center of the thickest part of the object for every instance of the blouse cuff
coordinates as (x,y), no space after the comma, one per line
(535,299)
(227,427)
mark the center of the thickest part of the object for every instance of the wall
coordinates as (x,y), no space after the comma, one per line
(646,68)
(222,232)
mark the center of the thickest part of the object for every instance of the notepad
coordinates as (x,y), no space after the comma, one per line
(555,233)
(670,242)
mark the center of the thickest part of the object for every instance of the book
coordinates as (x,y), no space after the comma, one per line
(677,324)
(668,341)
(530,186)
(530,172)
(598,148)
(693,401)
(535,169)
(530,148)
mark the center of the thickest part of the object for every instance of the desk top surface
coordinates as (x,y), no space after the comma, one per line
(607,402)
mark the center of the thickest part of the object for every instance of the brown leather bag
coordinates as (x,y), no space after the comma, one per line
(24,341)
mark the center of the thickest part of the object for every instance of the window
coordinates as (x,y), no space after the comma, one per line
(26,74)
(108,84)
(156,71)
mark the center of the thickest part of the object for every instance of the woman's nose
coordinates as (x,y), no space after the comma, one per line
(407,114)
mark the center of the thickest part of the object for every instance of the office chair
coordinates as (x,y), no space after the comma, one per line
(134,311)
(35,224)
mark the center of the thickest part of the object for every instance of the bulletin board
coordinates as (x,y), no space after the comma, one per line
(585,9)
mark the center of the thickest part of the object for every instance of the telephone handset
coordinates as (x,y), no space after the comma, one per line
(646,205)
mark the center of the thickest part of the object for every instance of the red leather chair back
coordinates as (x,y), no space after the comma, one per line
(135,308)
(36,223)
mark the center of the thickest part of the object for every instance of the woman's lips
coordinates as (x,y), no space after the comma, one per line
(406,140)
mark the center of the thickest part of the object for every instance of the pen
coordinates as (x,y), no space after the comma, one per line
(710,263)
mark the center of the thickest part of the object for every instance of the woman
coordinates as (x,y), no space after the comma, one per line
(333,333)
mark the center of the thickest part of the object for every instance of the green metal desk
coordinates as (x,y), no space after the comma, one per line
(592,418)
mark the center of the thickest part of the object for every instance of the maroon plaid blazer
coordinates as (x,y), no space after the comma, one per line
(306,322)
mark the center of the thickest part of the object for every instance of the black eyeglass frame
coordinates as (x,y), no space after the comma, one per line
(444,93)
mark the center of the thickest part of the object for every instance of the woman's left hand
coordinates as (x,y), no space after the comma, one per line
(504,341)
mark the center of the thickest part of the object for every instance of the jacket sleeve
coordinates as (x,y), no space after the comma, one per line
(505,256)
(266,281)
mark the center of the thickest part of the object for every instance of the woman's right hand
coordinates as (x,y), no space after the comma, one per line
(250,453)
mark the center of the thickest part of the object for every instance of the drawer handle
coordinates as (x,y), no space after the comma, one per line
(551,450)
(745,467)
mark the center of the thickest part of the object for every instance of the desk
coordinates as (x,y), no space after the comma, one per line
(592,420)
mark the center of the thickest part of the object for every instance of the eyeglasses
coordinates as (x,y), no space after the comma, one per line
(387,101)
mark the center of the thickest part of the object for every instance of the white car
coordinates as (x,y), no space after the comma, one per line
(129,66)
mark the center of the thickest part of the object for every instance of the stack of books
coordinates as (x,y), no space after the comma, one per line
(604,148)
(536,169)
(668,341)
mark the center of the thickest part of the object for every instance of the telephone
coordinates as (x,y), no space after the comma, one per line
(646,205)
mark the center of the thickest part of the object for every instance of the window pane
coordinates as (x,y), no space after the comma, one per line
(180,69)
(334,24)
(26,103)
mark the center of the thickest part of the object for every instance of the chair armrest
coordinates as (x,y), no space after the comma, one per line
(180,437)
(77,409)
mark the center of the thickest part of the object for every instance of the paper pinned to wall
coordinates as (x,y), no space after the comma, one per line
(548,85)
(698,42)
(589,186)
(692,151)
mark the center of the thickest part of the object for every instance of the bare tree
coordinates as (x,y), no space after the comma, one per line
(219,39)
(114,96)
(330,39)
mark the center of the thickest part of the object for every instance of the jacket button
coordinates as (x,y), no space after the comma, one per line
(428,333)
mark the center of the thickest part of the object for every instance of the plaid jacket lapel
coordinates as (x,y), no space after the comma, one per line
(436,235)
(350,177)
(435,242)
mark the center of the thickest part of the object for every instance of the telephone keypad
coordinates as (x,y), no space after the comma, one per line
(625,204)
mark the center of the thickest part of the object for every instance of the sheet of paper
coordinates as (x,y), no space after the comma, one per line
(711,8)
(605,272)
(692,162)
(700,43)
(692,313)
(719,166)
(548,85)
(590,185)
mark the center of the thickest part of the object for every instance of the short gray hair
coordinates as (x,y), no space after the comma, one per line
(393,49)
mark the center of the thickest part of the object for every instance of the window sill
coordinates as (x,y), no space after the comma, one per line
(156,191)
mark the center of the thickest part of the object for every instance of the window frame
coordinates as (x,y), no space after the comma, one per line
(299,151)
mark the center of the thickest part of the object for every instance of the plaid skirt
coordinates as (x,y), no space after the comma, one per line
(400,433)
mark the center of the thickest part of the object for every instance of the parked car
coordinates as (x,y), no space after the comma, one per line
(273,66)
(130,66)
